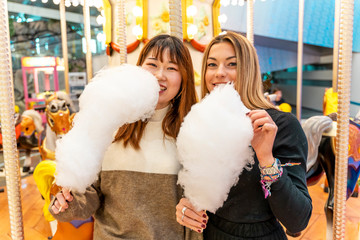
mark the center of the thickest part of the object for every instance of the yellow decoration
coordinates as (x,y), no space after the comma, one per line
(216,13)
(206,21)
(44,178)
(285,107)
(165,16)
(157,25)
(197,78)
(107,22)
(330,102)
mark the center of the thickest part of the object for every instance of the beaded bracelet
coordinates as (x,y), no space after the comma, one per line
(268,179)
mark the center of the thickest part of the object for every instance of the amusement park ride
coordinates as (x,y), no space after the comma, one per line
(56,109)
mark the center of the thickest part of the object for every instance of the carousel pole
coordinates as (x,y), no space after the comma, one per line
(87,33)
(300,60)
(336,46)
(64,44)
(345,37)
(121,30)
(7,113)
(250,21)
(175,19)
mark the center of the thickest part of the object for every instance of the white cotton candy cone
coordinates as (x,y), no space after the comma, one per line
(213,147)
(115,96)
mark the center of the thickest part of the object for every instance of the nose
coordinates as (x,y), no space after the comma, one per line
(159,74)
(220,72)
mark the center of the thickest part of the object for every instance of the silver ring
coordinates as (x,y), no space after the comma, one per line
(60,208)
(183,210)
(182,217)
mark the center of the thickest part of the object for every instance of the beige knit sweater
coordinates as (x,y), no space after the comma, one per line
(136,193)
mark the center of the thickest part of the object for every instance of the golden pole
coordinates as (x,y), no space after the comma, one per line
(342,134)
(300,60)
(87,33)
(175,19)
(250,21)
(7,112)
(64,44)
(121,30)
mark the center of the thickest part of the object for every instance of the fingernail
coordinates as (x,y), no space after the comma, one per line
(203,226)
(204,215)
(204,221)
(199,231)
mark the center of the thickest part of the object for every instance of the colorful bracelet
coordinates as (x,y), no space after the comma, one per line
(275,172)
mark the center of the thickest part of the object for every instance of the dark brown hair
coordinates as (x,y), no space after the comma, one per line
(181,104)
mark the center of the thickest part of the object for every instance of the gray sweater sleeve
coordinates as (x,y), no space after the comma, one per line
(83,205)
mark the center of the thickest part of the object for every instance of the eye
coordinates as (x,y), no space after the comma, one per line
(211,65)
(232,64)
(151,64)
(172,68)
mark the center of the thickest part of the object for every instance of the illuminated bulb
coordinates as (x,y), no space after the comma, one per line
(222,18)
(44,1)
(98,3)
(33,0)
(75,3)
(192,30)
(56,2)
(137,11)
(100,37)
(137,31)
(82,2)
(241,2)
(67,3)
(234,2)
(191,11)
(224,3)
(100,19)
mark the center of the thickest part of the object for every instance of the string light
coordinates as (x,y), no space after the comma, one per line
(191,11)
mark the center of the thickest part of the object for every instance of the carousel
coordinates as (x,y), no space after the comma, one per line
(333,138)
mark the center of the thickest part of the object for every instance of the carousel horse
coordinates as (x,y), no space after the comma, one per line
(59,115)
(30,138)
(76,229)
(17,128)
(321,133)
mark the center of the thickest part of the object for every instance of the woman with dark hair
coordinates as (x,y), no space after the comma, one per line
(136,193)
(274,190)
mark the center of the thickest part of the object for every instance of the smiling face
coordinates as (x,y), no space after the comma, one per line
(167,73)
(220,65)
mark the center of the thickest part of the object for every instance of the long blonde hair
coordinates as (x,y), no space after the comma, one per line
(248,80)
(181,104)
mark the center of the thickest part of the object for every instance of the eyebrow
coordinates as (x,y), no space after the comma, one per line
(153,58)
(212,58)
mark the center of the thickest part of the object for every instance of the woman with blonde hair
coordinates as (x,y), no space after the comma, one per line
(136,193)
(274,190)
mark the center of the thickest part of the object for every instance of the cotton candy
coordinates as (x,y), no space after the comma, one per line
(214,147)
(115,96)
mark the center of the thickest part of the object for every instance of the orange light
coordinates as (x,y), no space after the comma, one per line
(38,61)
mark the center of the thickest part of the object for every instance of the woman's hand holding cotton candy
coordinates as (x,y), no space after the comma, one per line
(62,199)
(187,216)
(264,135)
